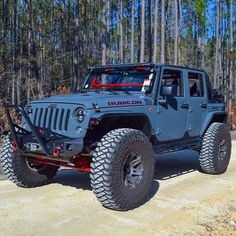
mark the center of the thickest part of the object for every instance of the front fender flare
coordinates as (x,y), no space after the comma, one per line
(101,115)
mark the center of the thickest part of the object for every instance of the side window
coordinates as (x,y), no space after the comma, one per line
(174,77)
(196,87)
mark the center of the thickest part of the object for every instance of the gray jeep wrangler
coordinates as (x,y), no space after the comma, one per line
(113,127)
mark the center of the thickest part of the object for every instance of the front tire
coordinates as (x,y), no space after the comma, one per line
(216,149)
(23,172)
(122,169)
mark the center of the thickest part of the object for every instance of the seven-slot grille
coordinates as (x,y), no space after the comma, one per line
(51,118)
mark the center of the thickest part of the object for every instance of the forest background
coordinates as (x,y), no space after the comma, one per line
(47,46)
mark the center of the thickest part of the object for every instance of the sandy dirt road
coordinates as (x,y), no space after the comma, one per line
(183,202)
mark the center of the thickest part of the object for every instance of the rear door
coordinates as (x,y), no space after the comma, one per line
(172,112)
(198,101)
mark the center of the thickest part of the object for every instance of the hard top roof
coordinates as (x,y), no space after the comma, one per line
(145,64)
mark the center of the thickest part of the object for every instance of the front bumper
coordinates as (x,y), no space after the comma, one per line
(41,142)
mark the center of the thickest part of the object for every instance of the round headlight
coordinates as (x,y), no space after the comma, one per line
(29,110)
(80,114)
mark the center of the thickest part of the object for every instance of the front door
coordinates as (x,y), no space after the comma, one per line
(172,112)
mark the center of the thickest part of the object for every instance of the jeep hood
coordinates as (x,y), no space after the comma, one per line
(104,99)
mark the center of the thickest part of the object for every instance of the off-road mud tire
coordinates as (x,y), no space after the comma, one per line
(107,175)
(17,170)
(210,160)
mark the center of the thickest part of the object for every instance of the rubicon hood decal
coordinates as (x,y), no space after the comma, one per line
(124,103)
(87,100)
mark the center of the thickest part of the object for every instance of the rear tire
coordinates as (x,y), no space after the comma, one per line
(122,169)
(21,171)
(216,149)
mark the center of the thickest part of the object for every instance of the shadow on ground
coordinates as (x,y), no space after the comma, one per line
(168,166)
(73,178)
(172,165)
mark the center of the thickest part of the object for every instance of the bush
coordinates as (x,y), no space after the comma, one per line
(3,119)
(233,115)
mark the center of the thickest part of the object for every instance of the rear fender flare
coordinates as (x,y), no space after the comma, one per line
(213,117)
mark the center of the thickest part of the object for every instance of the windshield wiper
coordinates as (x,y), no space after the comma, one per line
(112,91)
(82,90)
(126,91)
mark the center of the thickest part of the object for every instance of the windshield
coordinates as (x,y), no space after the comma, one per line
(123,78)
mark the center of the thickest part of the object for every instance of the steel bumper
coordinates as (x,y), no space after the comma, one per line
(40,142)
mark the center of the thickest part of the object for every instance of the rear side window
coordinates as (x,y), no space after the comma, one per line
(209,88)
(174,77)
(196,88)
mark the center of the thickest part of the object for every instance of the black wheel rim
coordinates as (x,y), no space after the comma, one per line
(133,170)
(222,150)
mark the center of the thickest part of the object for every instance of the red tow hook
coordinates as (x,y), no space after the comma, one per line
(57,151)
(14,146)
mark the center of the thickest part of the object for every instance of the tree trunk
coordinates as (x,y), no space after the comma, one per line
(104,39)
(121,40)
(176,33)
(132,34)
(203,44)
(76,54)
(180,25)
(108,17)
(29,8)
(150,29)
(231,60)
(139,9)
(216,68)
(5,27)
(53,37)
(154,59)
(18,82)
(14,51)
(142,43)
(40,83)
(163,31)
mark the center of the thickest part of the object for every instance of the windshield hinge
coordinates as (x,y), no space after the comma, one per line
(96,107)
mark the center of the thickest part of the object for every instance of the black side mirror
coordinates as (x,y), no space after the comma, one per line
(169,90)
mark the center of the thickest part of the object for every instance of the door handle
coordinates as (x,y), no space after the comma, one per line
(162,101)
(203,105)
(184,105)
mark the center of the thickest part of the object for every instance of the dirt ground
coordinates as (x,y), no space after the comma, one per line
(183,201)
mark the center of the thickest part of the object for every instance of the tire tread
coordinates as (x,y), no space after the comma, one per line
(207,157)
(14,169)
(102,162)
